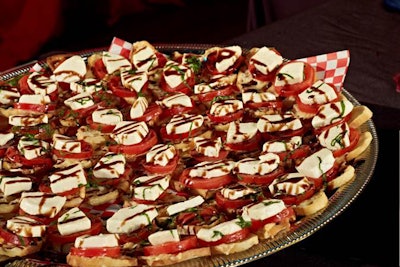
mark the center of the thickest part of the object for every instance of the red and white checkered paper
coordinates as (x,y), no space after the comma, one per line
(120,47)
(331,68)
(36,68)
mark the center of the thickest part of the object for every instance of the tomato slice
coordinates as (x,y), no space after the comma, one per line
(226,239)
(113,252)
(204,183)
(11,238)
(217,56)
(99,69)
(86,152)
(298,153)
(227,118)
(226,90)
(223,154)
(169,168)
(184,87)
(294,89)
(284,134)
(36,107)
(148,142)
(354,138)
(55,237)
(265,179)
(180,136)
(246,146)
(286,213)
(136,236)
(104,128)
(152,113)
(14,155)
(226,203)
(23,85)
(171,247)
(115,85)
(297,199)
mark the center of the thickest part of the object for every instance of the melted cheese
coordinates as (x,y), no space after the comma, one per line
(178,99)
(32,148)
(161,237)
(150,187)
(66,143)
(88,85)
(184,205)
(175,74)
(216,232)
(257,97)
(227,60)
(237,191)
(28,120)
(8,95)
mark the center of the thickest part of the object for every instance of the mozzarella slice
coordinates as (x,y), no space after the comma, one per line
(317,163)
(228,57)
(208,147)
(38,203)
(133,80)
(160,154)
(161,237)
(66,143)
(289,184)
(240,132)
(174,73)
(26,226)
(267,164)
(129,132)
(145,59)
(129,219)
(28,120)
(9,94)
(319,93)
(290,73)
(5,138)
(278,123)
(96,241)
(263,210)
(14,185)
(184,123)
(80,101)
(184,205)
(32,148)
(110,116)
(41,84)
(178,99)
(282,145)
(150,187)
(335,137)
(138,107)
(110,166)
(237,191)
(88,85)
(114,62)
(332,112)
(66,179)
(73,221)
(71,70)
(266,60)
(226,107)
(208,169)
(216,232)
(257,97)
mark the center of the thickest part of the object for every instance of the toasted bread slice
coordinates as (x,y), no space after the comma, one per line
(359,115)
(104,261)
(312,205)
(347,175)
(235,247)
(168,259)
(272,229)
(13,251)
(363,144)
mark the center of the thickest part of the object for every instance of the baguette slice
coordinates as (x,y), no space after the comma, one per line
(235,247)
(103,261)
(167,259)
(272,229)
(359,115)
(312,205)
(347,175)
(363,144)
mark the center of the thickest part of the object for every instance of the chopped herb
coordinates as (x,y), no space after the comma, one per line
(217,233)
(268,203)
(243,223)
(194,63)
(342,109)
(338,139)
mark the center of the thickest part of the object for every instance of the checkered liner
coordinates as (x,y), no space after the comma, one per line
(36,68)
(331,68)
(120,47)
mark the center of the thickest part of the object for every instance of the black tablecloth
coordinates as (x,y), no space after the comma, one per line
(366,28)
(367,232)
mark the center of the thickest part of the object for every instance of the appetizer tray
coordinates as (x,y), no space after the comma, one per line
(339,199)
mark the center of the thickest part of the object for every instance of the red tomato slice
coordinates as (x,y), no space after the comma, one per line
(226,239)
(185,87)
(104,128)
(265,179)
(297,199)
(99,69)
(223,91)
(248,145)
(284,134)
(86,148)
(152,113)
(178,137)
(354,138)
(13,154)
(55,237)
(23,86)
(298,153)
(148,142)
(176,110)
(113,252)
(286,213)
(155,168)
(204,183)
(36,107)
(226,203)
(294,89)
(259,75)
(115,85)
(223,154)
(227,118)
(11,238)
(216,56)
(171,247)
(136,236)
